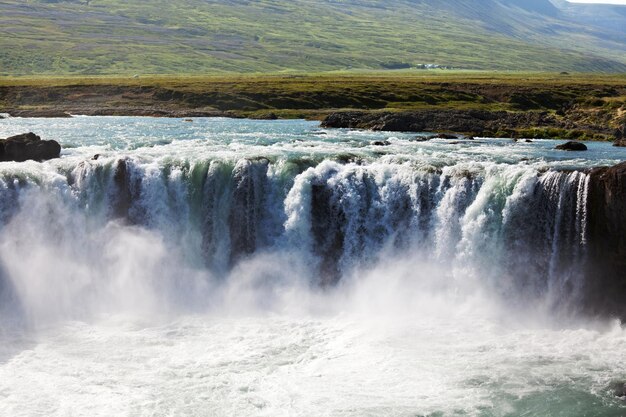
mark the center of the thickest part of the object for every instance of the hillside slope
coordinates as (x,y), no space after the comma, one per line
(204,36)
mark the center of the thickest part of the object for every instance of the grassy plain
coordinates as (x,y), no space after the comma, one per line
(582,99)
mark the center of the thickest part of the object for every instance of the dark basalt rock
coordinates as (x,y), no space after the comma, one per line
(45,113)
(469,122)
(328,222)
(264,116)
(423,138)
(446,136)
(618,389)
(122,197)
(606,242)
(348,158)
(28,146)
(572,146)
(381,143)
(620,134)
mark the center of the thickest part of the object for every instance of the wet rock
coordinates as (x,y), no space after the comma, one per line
(122,196)
(381,143)
(28,146)
(572,146)
(618,389)
(95,157)
(423,138)
(620,143)
(606,242)
(250,185)
(348,158)
(446,136)
(327,226)
(528,141)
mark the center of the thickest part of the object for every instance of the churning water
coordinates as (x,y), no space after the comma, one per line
(242,268)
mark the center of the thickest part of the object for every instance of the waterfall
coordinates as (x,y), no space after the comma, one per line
(147,235)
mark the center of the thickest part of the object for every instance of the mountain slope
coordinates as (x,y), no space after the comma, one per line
(611,18)
(200,36)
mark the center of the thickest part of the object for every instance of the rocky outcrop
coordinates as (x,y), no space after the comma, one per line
(28,146)
(606,241)
(121,200)
(572,146)
(620,136)
(328,229)
(43,113)
(481,123)
(470,122)
(446,136)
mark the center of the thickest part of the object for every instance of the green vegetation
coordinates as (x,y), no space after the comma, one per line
(262,36)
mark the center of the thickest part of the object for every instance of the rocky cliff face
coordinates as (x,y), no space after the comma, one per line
(606,241)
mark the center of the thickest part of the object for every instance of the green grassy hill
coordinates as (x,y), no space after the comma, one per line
(218,36)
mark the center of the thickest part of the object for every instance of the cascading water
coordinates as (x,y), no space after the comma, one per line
(413,261)
(519,230)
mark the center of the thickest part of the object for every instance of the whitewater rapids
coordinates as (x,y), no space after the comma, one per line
(271,268)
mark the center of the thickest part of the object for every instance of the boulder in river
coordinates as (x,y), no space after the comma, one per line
(446,136)
(28,146)
(572,146)
(618,389)
(423,138)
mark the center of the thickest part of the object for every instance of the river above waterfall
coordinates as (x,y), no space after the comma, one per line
(225,267)
(167,139)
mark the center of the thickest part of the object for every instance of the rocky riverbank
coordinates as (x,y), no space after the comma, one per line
(529,124)
(583,106)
